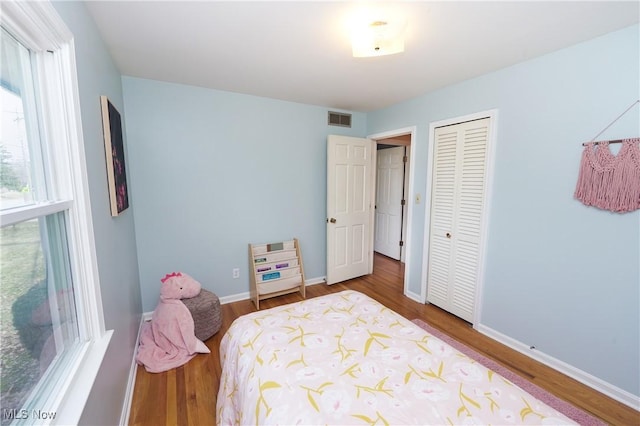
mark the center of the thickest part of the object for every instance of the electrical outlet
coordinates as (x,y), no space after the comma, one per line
(236,272)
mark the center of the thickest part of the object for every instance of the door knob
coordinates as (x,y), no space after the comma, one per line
(332,220)
(448,235)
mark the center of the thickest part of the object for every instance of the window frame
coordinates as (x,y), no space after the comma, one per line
(38,27)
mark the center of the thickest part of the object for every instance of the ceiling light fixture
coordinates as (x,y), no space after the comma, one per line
(377,38)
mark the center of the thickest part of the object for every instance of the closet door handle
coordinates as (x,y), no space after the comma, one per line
(332,220)
(448,235)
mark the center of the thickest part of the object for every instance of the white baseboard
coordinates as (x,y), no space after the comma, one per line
(146,316)
(413,296)
(246,295)
(314,281)
(600,385)
(131,383)
(235,298)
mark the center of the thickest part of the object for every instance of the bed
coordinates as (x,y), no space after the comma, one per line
(344,358)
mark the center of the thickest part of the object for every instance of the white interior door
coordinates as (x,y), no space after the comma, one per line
(389,190)
(457,208)
(349,187)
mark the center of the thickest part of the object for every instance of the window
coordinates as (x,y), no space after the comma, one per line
(51,325)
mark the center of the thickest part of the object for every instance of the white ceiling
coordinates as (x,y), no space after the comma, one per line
(300,51)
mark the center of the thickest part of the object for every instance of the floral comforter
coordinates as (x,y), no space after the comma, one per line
(346,359)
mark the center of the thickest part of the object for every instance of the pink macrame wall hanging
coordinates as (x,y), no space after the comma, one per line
(610,181)
(607,181)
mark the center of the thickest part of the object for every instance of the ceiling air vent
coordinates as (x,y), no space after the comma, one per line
(339,119)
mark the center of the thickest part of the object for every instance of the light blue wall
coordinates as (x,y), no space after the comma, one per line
(560,276)
(213,171)
(114,237)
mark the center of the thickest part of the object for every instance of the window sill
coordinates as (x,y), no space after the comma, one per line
(72,405)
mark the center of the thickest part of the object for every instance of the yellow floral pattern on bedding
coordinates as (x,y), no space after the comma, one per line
(346,359)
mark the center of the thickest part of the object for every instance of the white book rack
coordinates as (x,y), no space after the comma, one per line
(276,270)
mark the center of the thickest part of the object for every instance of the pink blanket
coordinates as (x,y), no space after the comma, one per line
(168,340)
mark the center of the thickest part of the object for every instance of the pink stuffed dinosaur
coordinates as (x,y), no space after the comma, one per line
(168,340)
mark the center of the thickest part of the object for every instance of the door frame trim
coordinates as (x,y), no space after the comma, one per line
(492,115)
(413,131)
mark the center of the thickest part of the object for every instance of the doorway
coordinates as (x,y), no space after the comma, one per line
(390,202)
(401,187)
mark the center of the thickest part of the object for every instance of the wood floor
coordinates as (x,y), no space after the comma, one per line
(187,395)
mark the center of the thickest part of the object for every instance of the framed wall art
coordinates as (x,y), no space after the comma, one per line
(114,153)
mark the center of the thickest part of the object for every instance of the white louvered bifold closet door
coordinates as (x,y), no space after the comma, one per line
(459,175)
